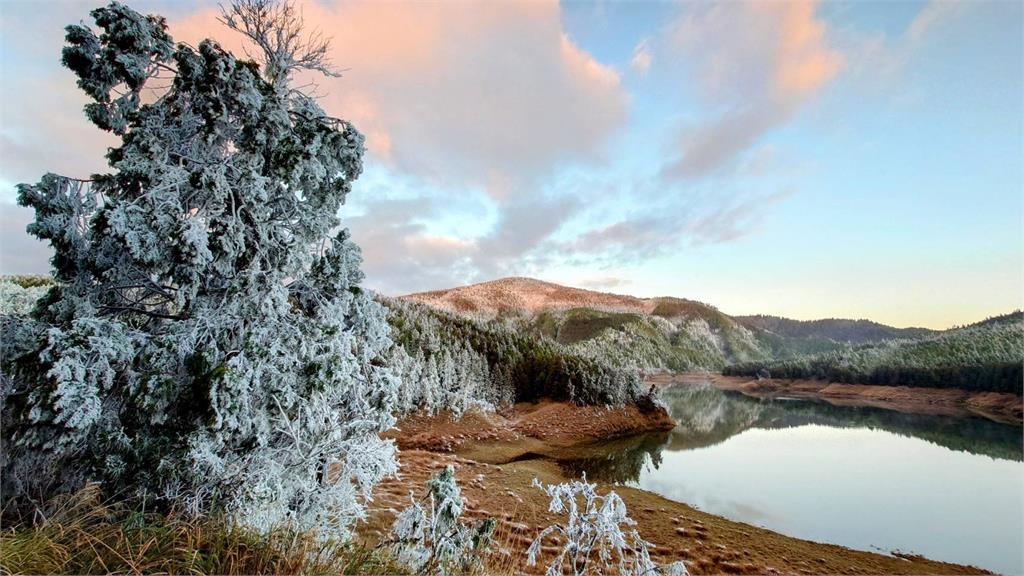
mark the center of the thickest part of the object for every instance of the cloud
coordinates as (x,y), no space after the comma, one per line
(44,131)
(933,15)
(19,252)
(879,62)
(461,94)
(654,234)
(755,64)
(44,128)
(488,97)
(605,283)
(641,60)
(401,255)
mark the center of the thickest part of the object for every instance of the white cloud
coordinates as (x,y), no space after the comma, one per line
(641,60)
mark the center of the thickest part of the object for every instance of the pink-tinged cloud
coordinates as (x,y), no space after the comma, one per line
(461,94)
(755,64)
(935,14)
(37,139)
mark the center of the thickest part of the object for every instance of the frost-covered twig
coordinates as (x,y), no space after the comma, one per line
(597,535)
(431,539)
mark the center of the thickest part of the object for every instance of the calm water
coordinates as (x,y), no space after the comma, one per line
(950,488)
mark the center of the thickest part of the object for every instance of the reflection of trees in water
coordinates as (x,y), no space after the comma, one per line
(707,416)
(619,460)
(971,434)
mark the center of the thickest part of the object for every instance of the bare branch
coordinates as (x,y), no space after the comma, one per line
(275,28)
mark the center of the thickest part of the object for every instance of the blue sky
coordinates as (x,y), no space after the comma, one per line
(840,159)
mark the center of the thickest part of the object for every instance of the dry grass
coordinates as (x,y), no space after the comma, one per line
(84,535)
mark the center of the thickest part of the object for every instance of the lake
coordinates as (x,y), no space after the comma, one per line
(949,488)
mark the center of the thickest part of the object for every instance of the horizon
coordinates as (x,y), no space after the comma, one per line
(796,159)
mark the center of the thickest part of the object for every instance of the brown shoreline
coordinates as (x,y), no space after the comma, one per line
(497,456)
(997,406)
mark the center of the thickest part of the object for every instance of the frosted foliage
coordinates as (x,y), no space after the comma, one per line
(206,340)
(18,301)
(597,536)
(437,370)
(431,539)
(454,379)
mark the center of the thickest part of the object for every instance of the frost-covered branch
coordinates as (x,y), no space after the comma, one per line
(275,27)
(428,536)
(597,535)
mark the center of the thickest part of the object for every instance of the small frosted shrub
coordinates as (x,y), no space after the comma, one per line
(597,537)
(427,536)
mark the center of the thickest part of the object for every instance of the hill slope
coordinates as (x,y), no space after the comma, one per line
(839,330)
(626,331)
(677,334)
(987,356)
(518,296)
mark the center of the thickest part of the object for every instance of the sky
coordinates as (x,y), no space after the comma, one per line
(803,159)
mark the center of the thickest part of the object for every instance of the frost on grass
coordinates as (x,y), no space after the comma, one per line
(597,536)
(428,537)
(206,341)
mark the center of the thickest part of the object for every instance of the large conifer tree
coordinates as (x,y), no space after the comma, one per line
(207,340)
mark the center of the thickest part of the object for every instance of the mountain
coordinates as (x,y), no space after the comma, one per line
(517,296)
(1015,317)
(985,356)
(677,334)
(630,332)
(839,330)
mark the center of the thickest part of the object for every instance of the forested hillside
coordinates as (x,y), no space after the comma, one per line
(836,329)
(452,362)
(984,356)
(652,334)
(676,335)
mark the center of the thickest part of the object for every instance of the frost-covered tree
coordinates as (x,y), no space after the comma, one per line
(428,536)
(207,341)
(17,300)
(598,537)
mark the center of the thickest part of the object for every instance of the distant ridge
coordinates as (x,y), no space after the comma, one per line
(655,334)
(838,329)
(520,295)
(777,336)
(1015,317)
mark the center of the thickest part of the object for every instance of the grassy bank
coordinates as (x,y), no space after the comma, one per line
(82,534)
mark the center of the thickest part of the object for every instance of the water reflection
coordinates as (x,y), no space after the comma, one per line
(943,486)
(707,416)
(616,461)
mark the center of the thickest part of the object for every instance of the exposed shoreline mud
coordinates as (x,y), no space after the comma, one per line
(527,430)
(1000,407)
(497,456)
